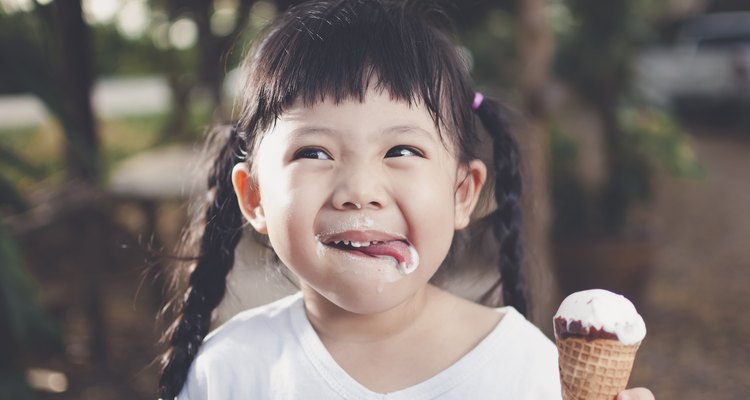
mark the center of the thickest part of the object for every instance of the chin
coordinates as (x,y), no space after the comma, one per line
(370,299)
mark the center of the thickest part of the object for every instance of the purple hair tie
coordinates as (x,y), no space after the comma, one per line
(478,98)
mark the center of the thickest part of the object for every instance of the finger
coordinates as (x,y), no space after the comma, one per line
(636,394)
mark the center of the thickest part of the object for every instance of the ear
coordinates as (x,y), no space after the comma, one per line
(248,197)
(470,181)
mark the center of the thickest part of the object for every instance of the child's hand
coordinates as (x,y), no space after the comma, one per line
(636,394)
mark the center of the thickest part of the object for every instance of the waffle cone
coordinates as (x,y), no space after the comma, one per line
(594,370)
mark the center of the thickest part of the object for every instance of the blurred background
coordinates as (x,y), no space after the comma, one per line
(633,115)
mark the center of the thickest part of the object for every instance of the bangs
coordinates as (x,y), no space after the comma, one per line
(336,50)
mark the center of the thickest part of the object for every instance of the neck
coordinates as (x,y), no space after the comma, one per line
(332,323)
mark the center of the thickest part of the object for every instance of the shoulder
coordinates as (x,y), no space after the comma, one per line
(504,324)
(526,334)
(241,349)
(514,357)
(247,329)
(532,355)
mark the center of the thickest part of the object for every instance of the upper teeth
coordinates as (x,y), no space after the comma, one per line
(355,243)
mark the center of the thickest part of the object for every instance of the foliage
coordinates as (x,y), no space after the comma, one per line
(10,195)
(595,57)
(27,330)
(658,137)
(46,52)
(571,205)
(652,140)
(492,41)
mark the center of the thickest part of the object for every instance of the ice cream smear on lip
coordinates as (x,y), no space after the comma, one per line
(392,247)
(403,253)
(599,313)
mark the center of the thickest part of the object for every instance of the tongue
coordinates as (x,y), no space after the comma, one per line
(397,249)
(394,248)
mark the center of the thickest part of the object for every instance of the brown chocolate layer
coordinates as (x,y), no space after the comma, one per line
(563,330)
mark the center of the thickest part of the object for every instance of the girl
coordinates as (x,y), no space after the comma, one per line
(355,157)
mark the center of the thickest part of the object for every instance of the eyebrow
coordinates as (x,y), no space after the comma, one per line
(396,129)
(391,130)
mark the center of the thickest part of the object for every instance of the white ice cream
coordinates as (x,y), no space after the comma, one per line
(407,268)
(604,310)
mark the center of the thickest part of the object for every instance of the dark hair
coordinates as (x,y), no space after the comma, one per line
(505,220)
(334,50)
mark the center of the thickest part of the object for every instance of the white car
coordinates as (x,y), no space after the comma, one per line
(708,67)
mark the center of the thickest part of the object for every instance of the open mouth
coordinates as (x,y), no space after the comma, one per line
(353,245)
(401,251)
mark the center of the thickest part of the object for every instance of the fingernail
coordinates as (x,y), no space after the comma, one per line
(623,396)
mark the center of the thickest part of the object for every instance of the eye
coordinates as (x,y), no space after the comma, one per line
(403,151)
(312,153)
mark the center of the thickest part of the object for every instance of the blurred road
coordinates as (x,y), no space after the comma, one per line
(697,304)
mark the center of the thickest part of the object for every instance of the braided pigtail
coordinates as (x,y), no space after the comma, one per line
(506,219)
(207,283)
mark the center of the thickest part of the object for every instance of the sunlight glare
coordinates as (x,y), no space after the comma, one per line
(133,19)
(14,6)
(223,21)
(262,13)
(47,380)
(100,11)
(183,33)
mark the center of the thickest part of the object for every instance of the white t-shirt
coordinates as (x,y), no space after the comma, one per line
(273,352)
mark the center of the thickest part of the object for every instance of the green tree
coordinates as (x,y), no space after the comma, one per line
(47,52)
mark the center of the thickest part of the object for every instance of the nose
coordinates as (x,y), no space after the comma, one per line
(359,188)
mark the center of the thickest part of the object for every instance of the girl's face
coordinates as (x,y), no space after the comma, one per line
(374,173)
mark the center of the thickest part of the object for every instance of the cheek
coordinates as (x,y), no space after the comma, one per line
(285,213)
(281,191)
(431,192)
(290,206)
(430,212)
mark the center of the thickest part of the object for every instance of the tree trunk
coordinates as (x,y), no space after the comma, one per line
(82,146)
(210,48)
(536,46)
(213,51)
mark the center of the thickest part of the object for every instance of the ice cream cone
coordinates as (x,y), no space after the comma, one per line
(594,369)
(597,333)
